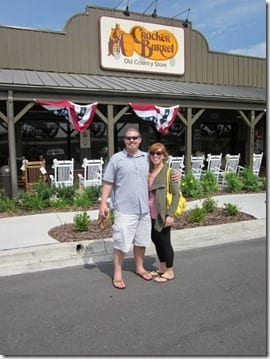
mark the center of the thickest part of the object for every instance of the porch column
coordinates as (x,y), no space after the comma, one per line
(188,140)
(12,145)
(110,130)
(251,123)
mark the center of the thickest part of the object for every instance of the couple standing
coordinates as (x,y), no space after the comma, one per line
(137,191)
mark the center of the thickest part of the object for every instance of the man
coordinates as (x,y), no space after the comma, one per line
(126,179)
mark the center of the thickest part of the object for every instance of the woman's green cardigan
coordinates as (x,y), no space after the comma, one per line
(159,190)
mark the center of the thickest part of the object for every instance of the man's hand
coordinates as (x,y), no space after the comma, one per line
(103,210)
(176,176)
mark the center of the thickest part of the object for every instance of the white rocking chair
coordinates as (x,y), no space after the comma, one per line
(92,173)
(63,173)
(231,166)
(214,163)
(197,164)
(257,161)
(177,163)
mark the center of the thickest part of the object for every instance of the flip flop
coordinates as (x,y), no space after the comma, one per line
(118,284)
(162,279)
(145,276)
(155,273)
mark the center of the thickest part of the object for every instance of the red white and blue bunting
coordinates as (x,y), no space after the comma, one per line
(161,117)
(80,116)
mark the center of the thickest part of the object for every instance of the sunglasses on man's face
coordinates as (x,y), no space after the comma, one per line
(129,138)
(158,153)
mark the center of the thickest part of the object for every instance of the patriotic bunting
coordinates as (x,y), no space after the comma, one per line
(162,117)
(79,116)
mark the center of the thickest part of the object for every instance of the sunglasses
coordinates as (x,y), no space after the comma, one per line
(129,138)
(158,153)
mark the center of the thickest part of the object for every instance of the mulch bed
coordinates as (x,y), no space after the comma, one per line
(66,232)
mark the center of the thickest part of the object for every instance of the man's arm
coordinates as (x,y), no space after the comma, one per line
(103,208)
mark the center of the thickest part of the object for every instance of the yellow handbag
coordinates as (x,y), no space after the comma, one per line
(182,201)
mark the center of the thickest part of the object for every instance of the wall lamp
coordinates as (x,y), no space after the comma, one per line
(185,23)
(126,12)
(154,14)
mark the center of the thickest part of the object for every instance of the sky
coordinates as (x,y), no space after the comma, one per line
(231,26)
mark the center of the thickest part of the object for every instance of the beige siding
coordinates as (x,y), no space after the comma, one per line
(76,50)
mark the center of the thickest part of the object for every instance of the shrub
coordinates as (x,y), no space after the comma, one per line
(209,182)
(111,214)
(31,201)
(231,209)
(94,193)
(196,215)
(263,183)
(67,193)
(81,221)
(43,190)
(233,182)
(87,197)
(58,202)
(190,186)
(6,204)
(82,199)
(250,180)
(209,205)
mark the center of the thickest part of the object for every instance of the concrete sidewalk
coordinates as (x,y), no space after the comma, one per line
(26,246)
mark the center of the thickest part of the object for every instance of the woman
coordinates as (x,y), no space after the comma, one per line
(161,216)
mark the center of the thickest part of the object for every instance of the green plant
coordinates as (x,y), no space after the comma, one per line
(82,200)
(209,182)
(81,221)
(67,193)
(190,186)
(31,201)
(263,183)
(196,215)
(250,180)
(87,197)
(209,205)
(6,204)
(233,182)
(94,193)
(43,190)
(111,214)
(231,209)
(58,202)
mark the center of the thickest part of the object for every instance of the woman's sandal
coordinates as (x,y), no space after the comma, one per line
(156,273)
(162,279)
(118,284)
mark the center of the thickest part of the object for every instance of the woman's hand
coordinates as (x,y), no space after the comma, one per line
(169,221)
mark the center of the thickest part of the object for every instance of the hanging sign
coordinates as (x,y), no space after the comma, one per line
(137,46)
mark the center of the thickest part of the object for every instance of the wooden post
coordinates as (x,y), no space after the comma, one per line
(110,130)
(12,145)
(188,140)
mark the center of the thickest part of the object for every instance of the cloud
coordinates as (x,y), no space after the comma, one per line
(258,50)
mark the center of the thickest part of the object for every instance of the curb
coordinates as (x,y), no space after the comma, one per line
(91,252)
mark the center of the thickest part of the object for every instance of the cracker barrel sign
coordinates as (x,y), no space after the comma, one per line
(135,46)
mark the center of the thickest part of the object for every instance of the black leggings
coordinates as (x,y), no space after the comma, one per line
(162,242)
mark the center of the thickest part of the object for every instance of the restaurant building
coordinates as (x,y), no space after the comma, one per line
(117,59)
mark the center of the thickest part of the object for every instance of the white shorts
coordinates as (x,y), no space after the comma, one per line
(131,229)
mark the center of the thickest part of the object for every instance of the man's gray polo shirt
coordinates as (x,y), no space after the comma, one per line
(129,176)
